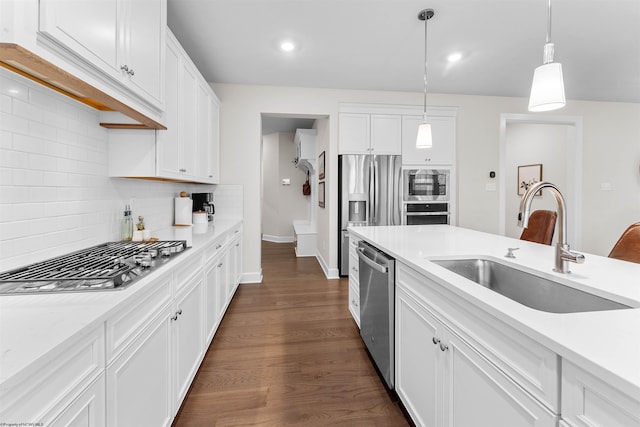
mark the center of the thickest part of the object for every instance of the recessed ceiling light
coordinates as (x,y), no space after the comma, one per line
(287,46)
(454,57)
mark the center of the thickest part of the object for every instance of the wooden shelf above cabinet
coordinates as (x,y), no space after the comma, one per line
(24,62)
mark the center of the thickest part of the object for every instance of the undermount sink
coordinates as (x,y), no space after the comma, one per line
(528,289)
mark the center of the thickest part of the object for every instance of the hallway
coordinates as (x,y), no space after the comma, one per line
(288,353)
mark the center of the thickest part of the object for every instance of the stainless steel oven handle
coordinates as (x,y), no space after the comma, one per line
(426,213)
(371,263)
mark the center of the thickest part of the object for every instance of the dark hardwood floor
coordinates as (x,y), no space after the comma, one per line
(288,353)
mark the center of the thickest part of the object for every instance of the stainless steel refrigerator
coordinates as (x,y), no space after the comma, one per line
(369,192)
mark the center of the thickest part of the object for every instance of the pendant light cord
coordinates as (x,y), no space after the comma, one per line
(549,23)
(425,68)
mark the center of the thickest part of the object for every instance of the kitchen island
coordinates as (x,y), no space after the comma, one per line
(120,357)
(574,367)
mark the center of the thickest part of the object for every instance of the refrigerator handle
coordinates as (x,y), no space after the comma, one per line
(372,191)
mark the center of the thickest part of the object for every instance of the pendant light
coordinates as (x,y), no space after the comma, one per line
(547,89)
(424,130)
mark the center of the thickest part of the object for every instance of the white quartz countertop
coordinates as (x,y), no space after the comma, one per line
(605,343)
(34,327)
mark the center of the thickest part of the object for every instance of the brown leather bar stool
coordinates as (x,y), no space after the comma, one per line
(628,246)
(542,225)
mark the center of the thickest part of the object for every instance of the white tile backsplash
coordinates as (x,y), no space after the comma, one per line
(55,195)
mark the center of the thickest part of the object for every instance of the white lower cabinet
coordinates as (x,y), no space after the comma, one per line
(139,379)
(587,401)
(61,390)
(188,335)
(445,381)
(87,410)
(354,278)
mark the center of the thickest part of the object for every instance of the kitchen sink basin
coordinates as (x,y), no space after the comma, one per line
(526,288)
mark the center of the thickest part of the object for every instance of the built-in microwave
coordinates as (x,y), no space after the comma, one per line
(426,185)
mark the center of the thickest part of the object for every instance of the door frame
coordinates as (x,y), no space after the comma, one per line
(573,192)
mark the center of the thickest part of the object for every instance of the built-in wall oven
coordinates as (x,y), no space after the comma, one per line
(425,213)
(425,197)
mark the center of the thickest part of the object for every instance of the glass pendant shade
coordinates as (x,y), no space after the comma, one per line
(424,136)
(547,89)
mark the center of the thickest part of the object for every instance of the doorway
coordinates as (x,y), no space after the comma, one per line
(564,162)
(282,200)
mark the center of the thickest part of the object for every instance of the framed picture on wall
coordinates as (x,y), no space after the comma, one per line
(321,194)
(321,166)
(527,176)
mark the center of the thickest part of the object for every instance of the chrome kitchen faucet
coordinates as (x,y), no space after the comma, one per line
(563,252)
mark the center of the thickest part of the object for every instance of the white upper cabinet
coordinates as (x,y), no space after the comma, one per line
(124,39)
(188,149)
(361,133)
(443,132)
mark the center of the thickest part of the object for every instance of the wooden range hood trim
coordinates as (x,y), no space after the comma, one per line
(26,63)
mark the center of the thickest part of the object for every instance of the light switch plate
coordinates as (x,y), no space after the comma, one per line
(286,181)
(490,186)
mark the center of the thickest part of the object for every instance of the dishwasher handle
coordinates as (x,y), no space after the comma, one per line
(371,263)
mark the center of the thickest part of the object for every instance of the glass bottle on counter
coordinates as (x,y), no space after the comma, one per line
(127,224)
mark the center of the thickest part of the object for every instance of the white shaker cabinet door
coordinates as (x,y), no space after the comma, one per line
(188,122)
(386,134)
(443,133)
(188,335)
(169,145)
(144,46)
(87,410)
(476,393)
(418,366)
(354,133)
(139,380)
(89,28)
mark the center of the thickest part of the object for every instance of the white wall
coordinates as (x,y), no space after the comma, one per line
(611,154)
(528,144)
(282,204)
(323,218)
(55,196)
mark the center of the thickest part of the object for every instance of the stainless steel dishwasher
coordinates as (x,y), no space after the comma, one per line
(377,307)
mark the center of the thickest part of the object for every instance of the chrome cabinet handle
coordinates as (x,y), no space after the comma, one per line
(444,347)
(130,72)
(125,69)
(435,340)
(218,247)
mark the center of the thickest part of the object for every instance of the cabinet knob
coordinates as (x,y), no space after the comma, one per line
(218,247)
(130,72)
(174,317)
(125,69)
(220,265)
(444,347)
(427,159)
(179,312)
(435,340)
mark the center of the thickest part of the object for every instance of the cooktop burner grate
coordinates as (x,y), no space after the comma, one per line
(105,266)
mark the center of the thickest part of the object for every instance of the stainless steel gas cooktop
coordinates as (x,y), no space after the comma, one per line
(108,266)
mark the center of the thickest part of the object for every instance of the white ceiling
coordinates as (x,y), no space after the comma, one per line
(379,44)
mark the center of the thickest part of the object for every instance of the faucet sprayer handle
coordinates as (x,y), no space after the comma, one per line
(510,252)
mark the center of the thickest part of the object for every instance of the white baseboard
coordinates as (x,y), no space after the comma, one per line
(255,277)
(330,273)
(277,239)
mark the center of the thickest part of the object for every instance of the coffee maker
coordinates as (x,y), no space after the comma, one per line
(204,202)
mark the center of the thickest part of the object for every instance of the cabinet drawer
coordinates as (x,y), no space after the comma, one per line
(123,327)
(188,269)
(587,401)
(531,365)
(47,391)
(215,248)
